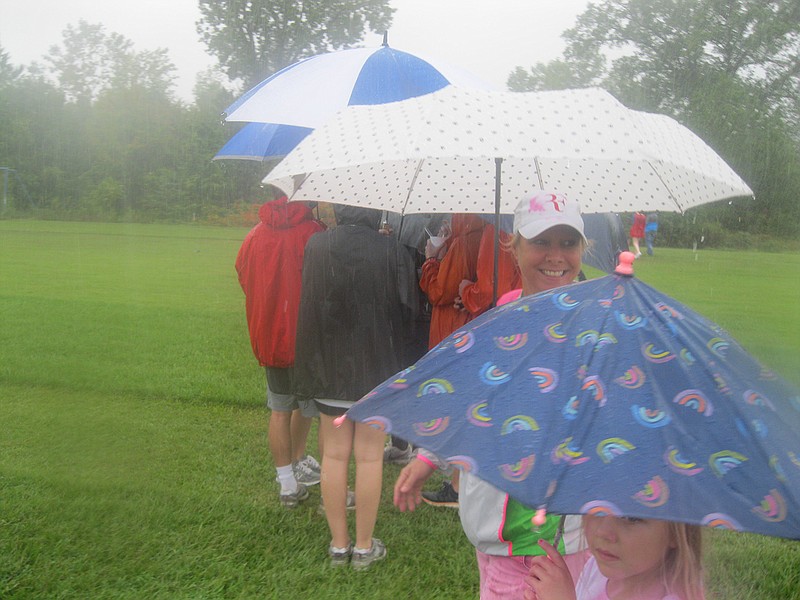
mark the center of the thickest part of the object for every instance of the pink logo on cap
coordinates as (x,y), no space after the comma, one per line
(557,200)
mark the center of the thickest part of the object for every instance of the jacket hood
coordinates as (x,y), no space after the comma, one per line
(464,223)
(282,214)
(356,215)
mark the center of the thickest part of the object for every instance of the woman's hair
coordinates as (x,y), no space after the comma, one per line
(683,566)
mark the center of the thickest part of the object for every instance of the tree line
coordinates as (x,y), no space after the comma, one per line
(94,131)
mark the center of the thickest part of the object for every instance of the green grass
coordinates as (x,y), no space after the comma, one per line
(133,455)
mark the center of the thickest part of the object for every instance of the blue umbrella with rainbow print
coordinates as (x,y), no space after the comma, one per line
(606,397)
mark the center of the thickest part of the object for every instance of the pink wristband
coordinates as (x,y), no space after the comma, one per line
(427,461)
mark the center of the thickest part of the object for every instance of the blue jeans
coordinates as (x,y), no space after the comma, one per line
(649,238)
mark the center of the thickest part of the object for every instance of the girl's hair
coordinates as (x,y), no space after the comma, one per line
(683,567)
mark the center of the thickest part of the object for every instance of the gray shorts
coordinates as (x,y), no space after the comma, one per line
(288,402)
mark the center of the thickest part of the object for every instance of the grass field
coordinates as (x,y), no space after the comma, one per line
(133,456)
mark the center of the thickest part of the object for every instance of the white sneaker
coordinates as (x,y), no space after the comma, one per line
(307,470)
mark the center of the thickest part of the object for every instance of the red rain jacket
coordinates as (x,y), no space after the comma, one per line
(270,267)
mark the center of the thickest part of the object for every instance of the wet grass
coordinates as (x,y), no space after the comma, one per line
(133,458)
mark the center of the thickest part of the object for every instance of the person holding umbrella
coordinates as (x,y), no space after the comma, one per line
(547,244)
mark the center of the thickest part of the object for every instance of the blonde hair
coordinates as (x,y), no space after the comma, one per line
(682,569)
(683,564)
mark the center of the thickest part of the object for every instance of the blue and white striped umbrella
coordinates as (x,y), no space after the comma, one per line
(307,93)
(311,91)
(262,141)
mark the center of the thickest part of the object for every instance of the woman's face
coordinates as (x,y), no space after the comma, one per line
(551,259)
(629,552)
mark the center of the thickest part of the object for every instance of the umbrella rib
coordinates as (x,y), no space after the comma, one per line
(666,187)
(298,185)
(411,186)
(538,172)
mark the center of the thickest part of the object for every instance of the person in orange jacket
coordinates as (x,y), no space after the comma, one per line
(444,269)
(477,296)
(458,279)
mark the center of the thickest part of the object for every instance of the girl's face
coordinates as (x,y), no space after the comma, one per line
(629,552)
(551,259)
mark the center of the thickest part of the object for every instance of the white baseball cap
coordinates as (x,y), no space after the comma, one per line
(544,210)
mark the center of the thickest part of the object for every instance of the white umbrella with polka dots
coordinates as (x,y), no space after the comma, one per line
(447,151)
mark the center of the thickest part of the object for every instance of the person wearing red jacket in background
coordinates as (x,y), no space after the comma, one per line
(637,231)
(270,266)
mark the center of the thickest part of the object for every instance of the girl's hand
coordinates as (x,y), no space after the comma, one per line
(549,578)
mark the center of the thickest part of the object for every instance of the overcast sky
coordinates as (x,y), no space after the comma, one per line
(487,37)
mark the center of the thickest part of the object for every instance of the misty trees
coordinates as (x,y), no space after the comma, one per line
(95,131)
(91,61)
(728,69)
(254,38)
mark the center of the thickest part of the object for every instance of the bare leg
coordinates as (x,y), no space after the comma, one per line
(335,460)
(368,445)
(280,440)
(299,431)
(635,242)
(455,476)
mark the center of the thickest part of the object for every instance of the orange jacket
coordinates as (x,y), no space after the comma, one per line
(477,296)
(440,281)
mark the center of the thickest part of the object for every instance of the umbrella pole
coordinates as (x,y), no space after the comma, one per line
(559,531)
(498,162)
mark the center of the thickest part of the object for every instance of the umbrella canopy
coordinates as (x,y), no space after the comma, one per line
(606,397)
(309,92)
(286,106)
(262,141)
(440,153)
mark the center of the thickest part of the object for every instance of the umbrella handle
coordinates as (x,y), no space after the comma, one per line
(539,520)
(559,531)
(625,266)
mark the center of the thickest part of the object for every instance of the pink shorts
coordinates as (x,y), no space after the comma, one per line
(502,577)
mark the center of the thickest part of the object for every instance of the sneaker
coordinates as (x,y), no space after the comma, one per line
(362,559)
(307,470)
(294,500)
(340,556)
(395,456)
(444,496)
(351,502)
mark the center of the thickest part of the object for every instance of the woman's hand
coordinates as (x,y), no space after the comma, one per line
(433,251)
(408,487)
(549,578)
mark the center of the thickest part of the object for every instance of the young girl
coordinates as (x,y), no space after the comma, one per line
(626,559)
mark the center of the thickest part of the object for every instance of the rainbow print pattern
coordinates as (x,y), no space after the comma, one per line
(606,398)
